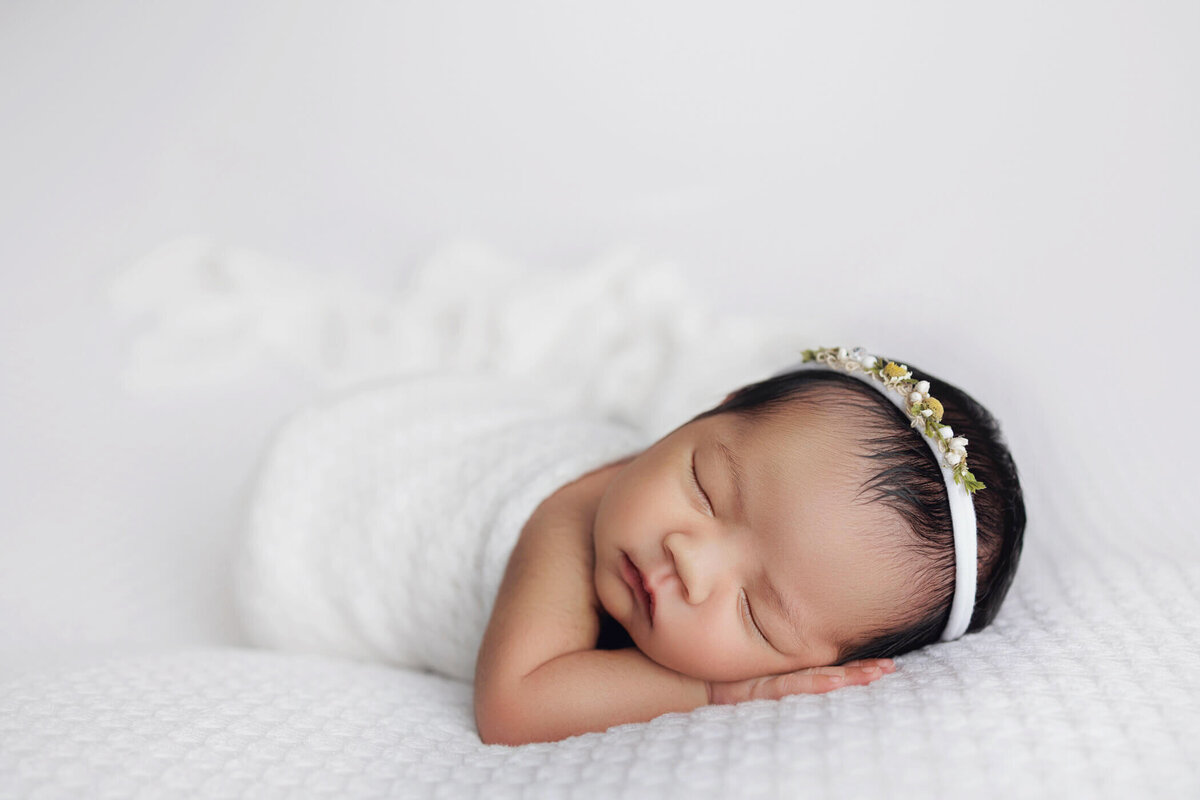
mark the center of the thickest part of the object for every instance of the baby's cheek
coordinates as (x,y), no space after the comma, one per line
(700,654)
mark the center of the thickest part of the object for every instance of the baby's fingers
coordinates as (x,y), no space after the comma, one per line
(818,680)
(885,664)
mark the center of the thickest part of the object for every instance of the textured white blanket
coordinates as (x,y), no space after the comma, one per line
(382,522)
(1082,688)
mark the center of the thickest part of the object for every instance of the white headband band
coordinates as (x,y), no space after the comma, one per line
(897,384)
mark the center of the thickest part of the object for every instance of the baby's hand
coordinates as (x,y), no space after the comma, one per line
(814,680)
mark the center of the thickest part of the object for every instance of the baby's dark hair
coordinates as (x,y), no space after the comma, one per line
(906,477)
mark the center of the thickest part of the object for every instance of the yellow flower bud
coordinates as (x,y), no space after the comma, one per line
(936,407)
(893,370)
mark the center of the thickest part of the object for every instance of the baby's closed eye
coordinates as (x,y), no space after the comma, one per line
(748,615)
(700,489)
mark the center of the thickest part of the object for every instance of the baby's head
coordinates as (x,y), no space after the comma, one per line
(802,522)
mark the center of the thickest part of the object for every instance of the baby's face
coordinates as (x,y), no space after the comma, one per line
(770,521)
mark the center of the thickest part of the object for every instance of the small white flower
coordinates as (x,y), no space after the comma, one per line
(946,431)
(923,387)
(869,362)
(915,398)
(927,412)
(952,458)
(958,443)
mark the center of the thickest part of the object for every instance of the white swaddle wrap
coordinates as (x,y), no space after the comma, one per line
(382,522)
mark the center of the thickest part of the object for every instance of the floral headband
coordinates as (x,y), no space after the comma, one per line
(924,412)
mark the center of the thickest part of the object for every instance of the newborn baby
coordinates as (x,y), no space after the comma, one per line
(801,524)
(792,539)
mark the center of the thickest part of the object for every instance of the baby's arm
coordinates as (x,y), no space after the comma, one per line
(539,676)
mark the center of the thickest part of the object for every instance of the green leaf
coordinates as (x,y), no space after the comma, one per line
(973,485)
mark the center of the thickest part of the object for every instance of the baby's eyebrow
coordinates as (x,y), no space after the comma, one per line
(735,469)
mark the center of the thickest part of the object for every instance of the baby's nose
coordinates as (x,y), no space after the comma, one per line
(699,562)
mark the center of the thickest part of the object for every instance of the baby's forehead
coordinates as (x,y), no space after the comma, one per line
(809,467)
(806,436)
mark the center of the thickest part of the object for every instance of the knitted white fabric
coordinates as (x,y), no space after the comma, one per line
(382,522)
(1078,690)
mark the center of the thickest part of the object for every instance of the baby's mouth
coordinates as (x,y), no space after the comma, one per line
(637,582)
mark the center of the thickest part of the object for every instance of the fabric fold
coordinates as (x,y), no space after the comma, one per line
(382,521)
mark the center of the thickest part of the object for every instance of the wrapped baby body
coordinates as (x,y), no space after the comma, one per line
(382,522)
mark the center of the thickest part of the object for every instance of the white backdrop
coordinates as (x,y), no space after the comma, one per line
(1004,195)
